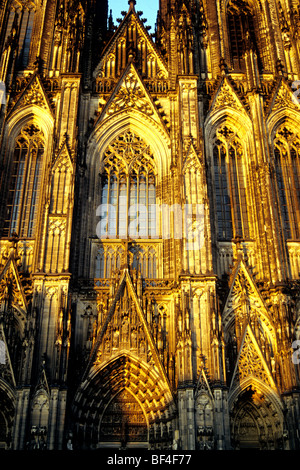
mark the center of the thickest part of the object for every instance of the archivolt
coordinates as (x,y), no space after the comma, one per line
(262,404)
(34,114)
(151,132)
(123,372)
(282,116)
(239,122)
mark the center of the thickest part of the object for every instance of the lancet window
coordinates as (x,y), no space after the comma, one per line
(241,31)
(24,183)
(128,189)
(25,36)
(21,20)
(230,191)
(287,171)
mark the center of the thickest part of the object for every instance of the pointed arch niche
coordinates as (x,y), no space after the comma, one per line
(284,143)
(286,160)
(7,413)
(25,181)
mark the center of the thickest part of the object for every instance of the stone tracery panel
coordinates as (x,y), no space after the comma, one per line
(287,174)
(128,189)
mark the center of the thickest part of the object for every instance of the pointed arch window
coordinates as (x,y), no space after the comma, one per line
(230,188)
(287,171)
(128,189)
(23,191)
(26,26)
(242,34)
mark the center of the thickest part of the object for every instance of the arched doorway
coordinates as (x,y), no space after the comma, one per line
(248,432)
(124,423)
(124,404)
(256,421)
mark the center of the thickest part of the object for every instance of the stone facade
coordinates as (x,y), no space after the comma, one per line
(150,214)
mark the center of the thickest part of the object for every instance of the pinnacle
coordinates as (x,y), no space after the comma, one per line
(131,4)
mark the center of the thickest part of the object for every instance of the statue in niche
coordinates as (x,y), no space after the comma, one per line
(116,335)
(133,338)
(125,330)
(107,346)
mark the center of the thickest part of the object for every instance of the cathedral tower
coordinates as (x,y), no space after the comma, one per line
(149,224)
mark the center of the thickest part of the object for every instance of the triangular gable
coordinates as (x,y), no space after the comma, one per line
(6,370)
(42,383)
(127,332)
(130,94)
(251,363)
(142,35)
(282,97)
(254,296)
(203,384)
(10,274)
(226,97)
(191,158)
(63,156)
(33,94)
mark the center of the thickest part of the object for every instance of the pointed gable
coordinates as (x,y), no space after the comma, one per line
(33,94)
(63,157)
(125,330)
(226,97)
(242,285)
(192,158)
(282,97)
(203,384)
(131,43)
(251,363)
(131,94)
(10,276)
(42,385)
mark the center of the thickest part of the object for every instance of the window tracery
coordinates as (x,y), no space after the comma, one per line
(21,19)
(128,189)
(287,171)
(230,187)
(242,34)
(141,258)
(23,193)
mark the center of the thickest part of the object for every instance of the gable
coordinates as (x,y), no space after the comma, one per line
(63,157)
(251,363)
(192,159)
(125,331)
(282,97)
(33,94)
(131,43)
(243,287)
(226,97)
(131,94)
(10,277)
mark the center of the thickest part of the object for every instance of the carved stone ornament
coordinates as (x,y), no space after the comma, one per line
(131,95)
(225,98)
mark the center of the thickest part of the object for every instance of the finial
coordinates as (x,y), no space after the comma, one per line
(131,3)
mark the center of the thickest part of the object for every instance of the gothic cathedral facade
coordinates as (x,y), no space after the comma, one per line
(150,225)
